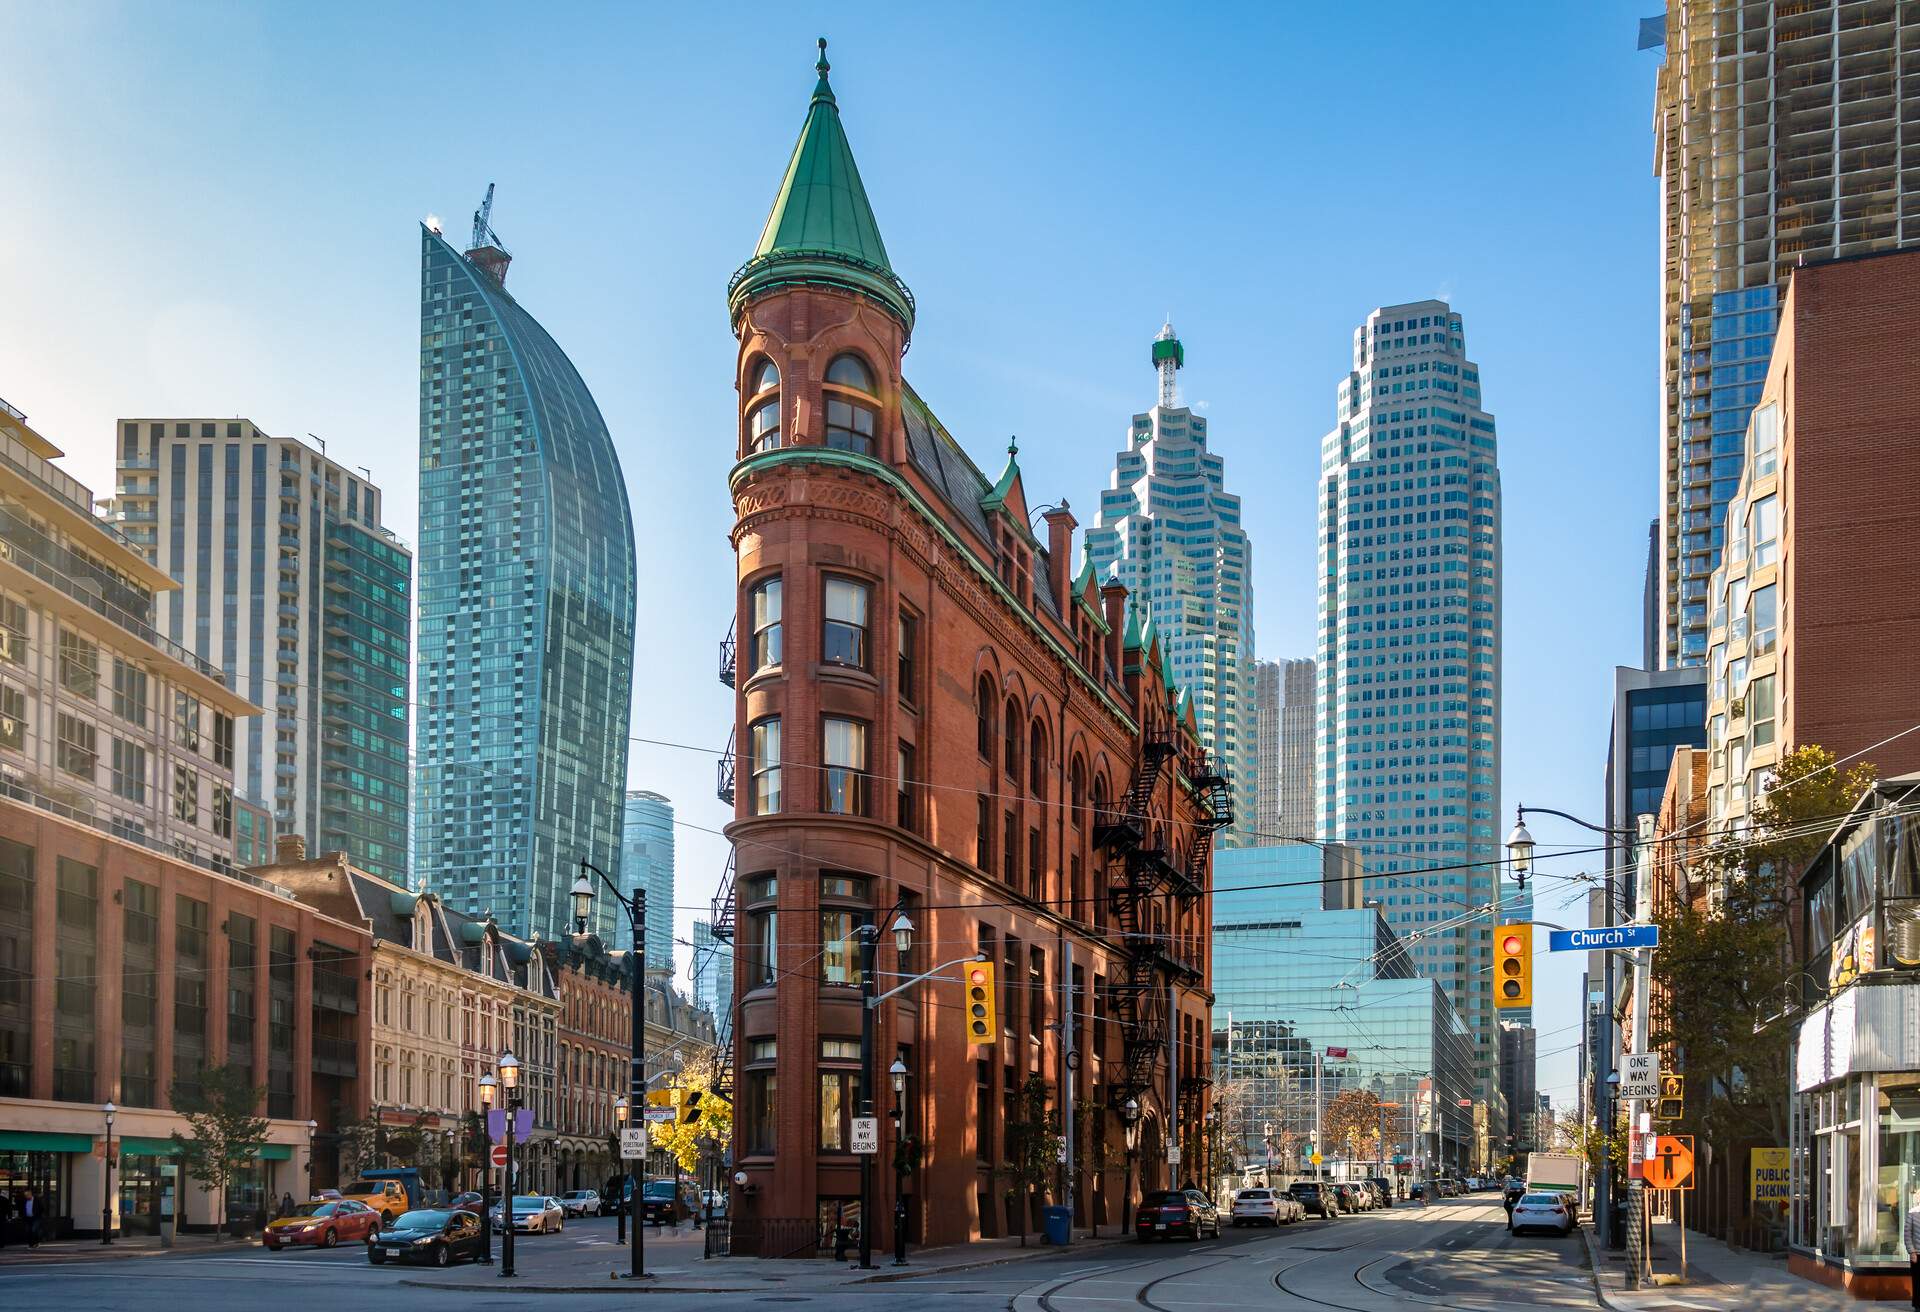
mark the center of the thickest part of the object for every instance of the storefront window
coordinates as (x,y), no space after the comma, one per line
(1898,1177)
(45,1174)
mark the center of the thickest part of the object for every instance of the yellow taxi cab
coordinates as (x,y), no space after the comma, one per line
(387,1197)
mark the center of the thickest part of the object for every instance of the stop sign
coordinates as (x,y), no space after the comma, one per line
(499,1154)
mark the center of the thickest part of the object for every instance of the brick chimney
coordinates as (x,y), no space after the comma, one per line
(289,848)
(1113,600)
(1060,526)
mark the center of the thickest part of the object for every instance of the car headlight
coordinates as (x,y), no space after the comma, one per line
(423,1239)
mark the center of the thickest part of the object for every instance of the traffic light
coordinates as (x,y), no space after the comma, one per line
(983,1016)
(690,1106)
(1513,966)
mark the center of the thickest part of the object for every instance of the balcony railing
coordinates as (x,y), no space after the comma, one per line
(336,1057)
(727,658)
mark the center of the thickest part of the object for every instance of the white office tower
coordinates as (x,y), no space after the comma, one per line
(1409,700)
(1170,531)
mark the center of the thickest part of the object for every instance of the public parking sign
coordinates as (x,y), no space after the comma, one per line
(1604,936)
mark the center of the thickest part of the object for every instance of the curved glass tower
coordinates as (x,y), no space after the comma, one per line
(526,607)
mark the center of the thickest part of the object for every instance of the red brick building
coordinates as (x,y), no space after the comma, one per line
(935,714)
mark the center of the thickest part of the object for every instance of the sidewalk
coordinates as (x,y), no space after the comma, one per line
(675,1266)
(1719,1279)
(123,1246)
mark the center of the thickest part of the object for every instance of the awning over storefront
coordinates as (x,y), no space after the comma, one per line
(36,1141)
(135,1146)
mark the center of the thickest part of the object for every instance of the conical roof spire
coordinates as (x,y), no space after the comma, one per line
(821,228)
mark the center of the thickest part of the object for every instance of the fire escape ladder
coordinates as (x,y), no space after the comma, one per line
(727,656)
(723,902)
(723,786)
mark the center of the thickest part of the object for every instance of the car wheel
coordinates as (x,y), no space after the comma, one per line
(329,1239)
(443,1256)
(375,1256)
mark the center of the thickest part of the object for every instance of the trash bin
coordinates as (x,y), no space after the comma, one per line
(1059,1224)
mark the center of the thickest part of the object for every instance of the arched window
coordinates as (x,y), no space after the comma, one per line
(1077,792)
(1037,760)
(850,423)
(763,408)
(1012,729)
(1100,799)
(983,709)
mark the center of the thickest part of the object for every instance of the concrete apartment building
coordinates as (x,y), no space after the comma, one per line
(1782,133)
(936,716)
(288,583)
(1812,625)
(1283,797)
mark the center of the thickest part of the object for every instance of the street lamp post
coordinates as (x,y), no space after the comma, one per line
(313,1128)
(510,1082)
(1520,848)
(106,1179)
(899,1073)
(869,948)
(636,909)
(1130,1116)
(487,1086)
(446,1174)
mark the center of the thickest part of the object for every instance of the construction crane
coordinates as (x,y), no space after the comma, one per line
(483,233)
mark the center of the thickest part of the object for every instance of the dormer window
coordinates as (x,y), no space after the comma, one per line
(763,408)
(850,422)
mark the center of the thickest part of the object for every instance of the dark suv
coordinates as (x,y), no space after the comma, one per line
(1317,1199)
(1165,1213)
(1383,1187)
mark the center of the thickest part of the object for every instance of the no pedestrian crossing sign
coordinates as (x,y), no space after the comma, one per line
(633,1142)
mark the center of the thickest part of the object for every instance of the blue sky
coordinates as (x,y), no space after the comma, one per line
(211,209)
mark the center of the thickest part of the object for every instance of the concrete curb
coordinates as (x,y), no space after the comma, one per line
(603,1287)
(1595,1256)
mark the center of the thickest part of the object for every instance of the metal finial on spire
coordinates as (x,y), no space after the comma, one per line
(823,67)
(1013,445)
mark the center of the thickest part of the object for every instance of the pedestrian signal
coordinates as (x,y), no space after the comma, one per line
(1513,966)
(983,1017)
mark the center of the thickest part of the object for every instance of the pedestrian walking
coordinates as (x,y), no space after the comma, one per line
(1910,1233)
(30,1215)
(286,1204)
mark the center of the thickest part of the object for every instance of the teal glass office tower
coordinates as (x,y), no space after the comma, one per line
(646,863)
(526,607)
(1409,698)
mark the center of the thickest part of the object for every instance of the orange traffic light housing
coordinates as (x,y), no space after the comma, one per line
(1513,966)
(983,1013)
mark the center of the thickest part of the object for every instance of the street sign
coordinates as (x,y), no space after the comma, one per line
(1670,1164)
(1606,936)
(633,1143)
(660,1115)
(499,1154)
(1338,1054)
(1314,1158)
(866,1134)
(1173,1154)
(1640,1075)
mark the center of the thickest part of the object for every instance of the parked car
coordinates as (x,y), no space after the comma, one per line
(1163,1213)
(1266,1207)
(580,1202)
(1541,1212)
(533,1212)
(468,1202)
(439,1236)
(662,1201)
(1384,1187)
(1353,1197)
(1418,1193)
(1315,1199)
(322,1224)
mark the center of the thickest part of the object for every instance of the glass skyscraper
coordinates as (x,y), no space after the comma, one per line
(1170,531)
(1409,701)
(1283,752)
(646,862)
(291,586)
(1293,979)
(526,607)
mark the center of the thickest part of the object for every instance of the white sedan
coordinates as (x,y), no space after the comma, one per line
(533,1212)
(1541,1212)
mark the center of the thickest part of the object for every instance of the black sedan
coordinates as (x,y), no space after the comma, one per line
(435,1236)
(1165,1213)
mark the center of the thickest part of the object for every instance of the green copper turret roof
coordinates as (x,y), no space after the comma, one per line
(821,228)
(997,495)
(1130,640)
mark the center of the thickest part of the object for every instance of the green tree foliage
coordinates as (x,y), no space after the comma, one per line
(1724,958)
(1033,1138)
(226,1134)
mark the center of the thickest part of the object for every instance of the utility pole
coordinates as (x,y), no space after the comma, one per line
(1069,1061)
(1642,960)
(1173,1087)
(1319,1148)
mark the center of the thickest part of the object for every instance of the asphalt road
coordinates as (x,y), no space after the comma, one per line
(1455,1255)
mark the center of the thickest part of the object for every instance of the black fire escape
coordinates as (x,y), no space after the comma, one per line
(1146,885)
